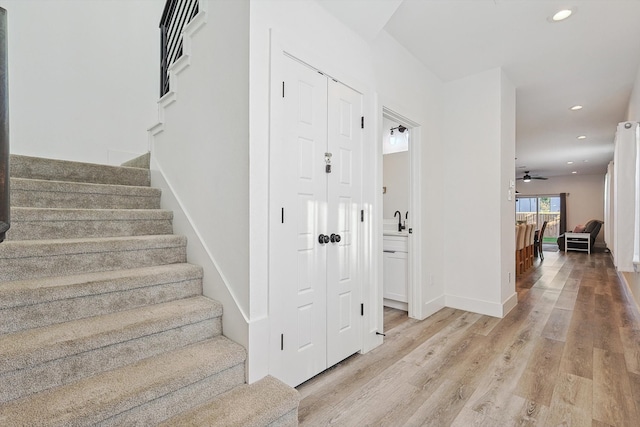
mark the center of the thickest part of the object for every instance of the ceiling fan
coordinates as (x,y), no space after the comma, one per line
(527,177)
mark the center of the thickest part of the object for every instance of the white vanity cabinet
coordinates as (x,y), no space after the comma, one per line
(395,267)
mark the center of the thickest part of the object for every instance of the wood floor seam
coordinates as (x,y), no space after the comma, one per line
(567,354)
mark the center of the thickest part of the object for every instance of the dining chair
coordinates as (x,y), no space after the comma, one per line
(520,231)
(539,240)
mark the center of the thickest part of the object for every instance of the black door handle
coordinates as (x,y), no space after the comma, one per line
(335,238)
(323,238)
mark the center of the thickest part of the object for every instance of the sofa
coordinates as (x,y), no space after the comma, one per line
(592,227)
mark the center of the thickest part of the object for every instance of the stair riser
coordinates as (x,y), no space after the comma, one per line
(77,263)
(68,369)
(60,170)
(36,230)
(50,199)
(33,316)
(171,404)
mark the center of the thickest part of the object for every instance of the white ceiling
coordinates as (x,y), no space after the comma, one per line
(590,59)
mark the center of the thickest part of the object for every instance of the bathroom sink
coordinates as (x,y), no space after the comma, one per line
(402,233)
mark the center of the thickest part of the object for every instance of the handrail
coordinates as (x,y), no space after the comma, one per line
(176,14)
(5,203)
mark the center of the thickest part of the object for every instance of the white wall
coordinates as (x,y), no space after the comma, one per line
(633,109)
(585,197)
(200,153)
(84,77)
(479,120)
(396,181)
(506,190)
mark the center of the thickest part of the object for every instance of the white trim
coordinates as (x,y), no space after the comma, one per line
(235,320)
(482,307)
(433,306)
(178,66)
(414,276)
(199,237)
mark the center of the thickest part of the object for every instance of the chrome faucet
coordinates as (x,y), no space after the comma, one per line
(400,226)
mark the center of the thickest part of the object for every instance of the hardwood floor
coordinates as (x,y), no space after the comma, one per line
(568,354)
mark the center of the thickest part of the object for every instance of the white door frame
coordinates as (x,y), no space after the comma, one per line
(414,276)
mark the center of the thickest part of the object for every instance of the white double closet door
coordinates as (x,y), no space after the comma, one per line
(314,286)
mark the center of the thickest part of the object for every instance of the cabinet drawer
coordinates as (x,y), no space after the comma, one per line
(395,244)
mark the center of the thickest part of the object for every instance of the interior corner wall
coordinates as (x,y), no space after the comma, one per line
(473,191)
(83,77)
(585,200)
(633,109)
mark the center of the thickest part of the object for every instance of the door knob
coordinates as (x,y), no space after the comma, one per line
(335,238)
(323,238)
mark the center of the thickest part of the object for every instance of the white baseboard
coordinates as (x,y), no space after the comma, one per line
(487,308)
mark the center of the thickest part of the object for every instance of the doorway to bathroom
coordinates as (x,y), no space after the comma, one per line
(400,213)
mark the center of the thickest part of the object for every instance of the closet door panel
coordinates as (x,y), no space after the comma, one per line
(343,207)
(298,215)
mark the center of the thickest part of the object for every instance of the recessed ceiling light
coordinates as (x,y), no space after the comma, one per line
(582,137)
(574,172)
(562,15)
(576,108)
(569,163)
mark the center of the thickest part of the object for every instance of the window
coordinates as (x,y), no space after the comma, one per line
(537,210)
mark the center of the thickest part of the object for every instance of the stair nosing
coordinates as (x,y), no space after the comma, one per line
(162,376)
(22,214)
(54,288)
(35,185)
(17,249)
(39,345)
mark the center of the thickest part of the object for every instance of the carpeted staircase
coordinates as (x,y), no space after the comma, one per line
(103,321)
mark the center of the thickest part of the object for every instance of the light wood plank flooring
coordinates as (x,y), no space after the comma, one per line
(568,354)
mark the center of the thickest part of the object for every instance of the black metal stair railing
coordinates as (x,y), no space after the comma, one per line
(5,208)
(176,14)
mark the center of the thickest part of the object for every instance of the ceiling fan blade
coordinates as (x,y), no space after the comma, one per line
(539,177)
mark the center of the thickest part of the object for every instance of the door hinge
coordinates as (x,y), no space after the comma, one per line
(282,215)
(361,215)
(283,89)
(362,122)
(361,309)
(281,341)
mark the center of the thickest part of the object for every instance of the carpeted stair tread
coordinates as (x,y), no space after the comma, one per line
(38,291)
(130,388)
(256,405)
(64,170)
(43,223)
(29,259)
(102,321)
(59,194)
(143,161)
(34,346)
(40,302)
(60,214)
